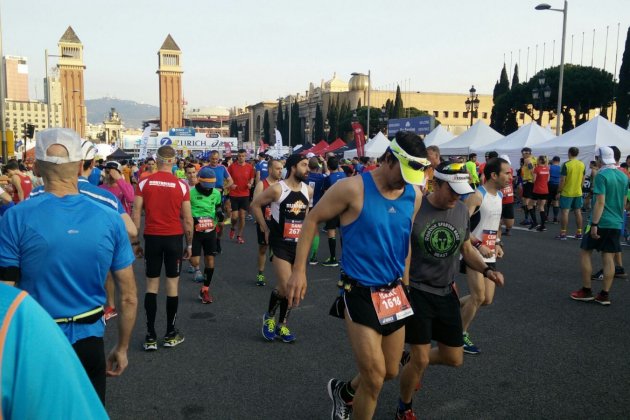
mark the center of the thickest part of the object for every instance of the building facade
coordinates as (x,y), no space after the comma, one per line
(170,79)
(16,77)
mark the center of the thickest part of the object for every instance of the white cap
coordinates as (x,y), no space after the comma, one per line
(310,155)
(63,136)
(458,182)
(506,158)
(88,150)
(606,154)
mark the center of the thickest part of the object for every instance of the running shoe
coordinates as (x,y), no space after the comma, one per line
(340,409)
(532,226)
(191,269)
(313,261)
(330,262)
(110,313)
(284,333)
(602,299)
(405,415)
(469,347)
(249,217)
(260,280)
(620,273)
(269,327)
(555,221)
(598,276)
(541,228)
(240,240)
(205,295)
(174,338)
(578,236)
(561,237)
(150,343)
(525,222)
(198,277)
(232,233)
(582,295)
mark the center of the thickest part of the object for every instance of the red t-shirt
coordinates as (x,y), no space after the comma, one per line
(27,186)
(542,179)
(241,175)
(163,195)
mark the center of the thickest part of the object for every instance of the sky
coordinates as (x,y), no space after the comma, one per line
(243,51)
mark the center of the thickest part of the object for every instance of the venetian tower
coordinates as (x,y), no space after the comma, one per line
(71,68)
(170,74)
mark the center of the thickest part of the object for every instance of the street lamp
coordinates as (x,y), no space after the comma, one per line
(307,131)
(383,119)
(541,94)
(326,128)
(472,103)
(544,6)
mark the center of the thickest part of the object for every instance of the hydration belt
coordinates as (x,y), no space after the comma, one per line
(88,317)
(347,280)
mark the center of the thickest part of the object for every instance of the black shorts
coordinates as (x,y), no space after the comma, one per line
(609,240)
(91,353)
(553,191)
(528,189)
(463,265)
(206,241)
(332,223)
(361,310)
(507,211)
(434,317)
(284,250)
(261,235)
(538,196)
(239,203)
(163,249)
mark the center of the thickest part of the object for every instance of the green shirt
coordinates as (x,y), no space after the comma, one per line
(471,167)
(573,173)
(613,184)
(204,206)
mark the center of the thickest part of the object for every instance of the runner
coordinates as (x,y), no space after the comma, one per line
(150,168)
(507,210)
(570,193)
(471,167)
(243,175)
(317,175)
(289,205)
(377,204)
(205,203)
(273,176)
(21,183)
(527,176)
(223,185)
(336,173)
(441,232)
(166,203)
(484,207)
(540,192)
(554,182)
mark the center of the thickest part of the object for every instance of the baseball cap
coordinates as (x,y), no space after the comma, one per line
(294,160)
(454,174)
(113,165)
(310,155)
(88,150)
(207,178)
(411,167)
(63,136)
(606,154)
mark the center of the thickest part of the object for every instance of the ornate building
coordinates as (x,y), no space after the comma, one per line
(71,69)
(170,75)
(112,127)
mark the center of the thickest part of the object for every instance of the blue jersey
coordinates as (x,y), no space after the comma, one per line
(98,194)
(316,182)
(332,178)
(64,247)
(554,174)
(263,168)
(38,383)
(382,230)
(221,173)
(95,176)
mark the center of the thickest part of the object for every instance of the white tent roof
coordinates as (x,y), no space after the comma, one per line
(478,135)
(375,147)
(587,137)
(528,135)
(438,136)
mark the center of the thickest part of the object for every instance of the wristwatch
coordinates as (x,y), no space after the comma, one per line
(485,271)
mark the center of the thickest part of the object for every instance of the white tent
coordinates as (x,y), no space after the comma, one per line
(528,135)
(477,135)
(438,136)
(375,147)
(587,137)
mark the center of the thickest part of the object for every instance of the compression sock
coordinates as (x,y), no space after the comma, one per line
(284,311)
(542,218)
(150,307)
(347,393)
(274,301)
(526,212)
(314,246)
(171,313)
(207,276)
(532,215)
(556,210)
(332,247)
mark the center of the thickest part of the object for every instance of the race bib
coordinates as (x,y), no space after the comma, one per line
(205,224)
(390,304)
(292,229)
(489,239)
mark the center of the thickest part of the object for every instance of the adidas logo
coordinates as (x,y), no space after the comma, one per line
(391,210)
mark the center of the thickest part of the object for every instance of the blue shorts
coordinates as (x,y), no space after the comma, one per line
(571,203)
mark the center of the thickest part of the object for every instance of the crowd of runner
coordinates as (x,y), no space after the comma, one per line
(432,218)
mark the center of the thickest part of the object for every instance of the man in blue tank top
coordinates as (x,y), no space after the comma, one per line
(376,211)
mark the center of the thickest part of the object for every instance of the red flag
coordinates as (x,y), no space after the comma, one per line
(359,138)
(228,148)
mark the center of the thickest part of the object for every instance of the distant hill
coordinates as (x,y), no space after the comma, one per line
(132,113)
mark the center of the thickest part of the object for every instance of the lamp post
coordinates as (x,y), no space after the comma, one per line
(544,6)
(326,128)
(541,94)
(472,103)
(383,120)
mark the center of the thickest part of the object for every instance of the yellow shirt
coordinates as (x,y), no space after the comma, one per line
(573,172)
(527,170)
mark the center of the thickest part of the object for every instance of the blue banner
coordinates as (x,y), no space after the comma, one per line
(418,125)
(184,131)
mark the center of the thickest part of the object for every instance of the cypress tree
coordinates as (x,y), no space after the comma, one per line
(318,131)
(280,119)
(266,127)
(515,80)
(398,110)
(623,89)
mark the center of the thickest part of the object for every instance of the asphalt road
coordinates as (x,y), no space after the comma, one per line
(543,355)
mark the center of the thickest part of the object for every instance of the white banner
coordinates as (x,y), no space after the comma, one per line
(144,142)
(278,139)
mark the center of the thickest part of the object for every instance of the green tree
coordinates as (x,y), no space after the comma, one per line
(318,130)
(333,119)
(280,119)
(623,91)
(246,130)
(296,129)
(285,124)
(398,110)
(499,113)
(266,128)
(515,81)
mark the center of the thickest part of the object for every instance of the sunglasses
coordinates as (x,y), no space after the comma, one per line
(453,168)
(417,164)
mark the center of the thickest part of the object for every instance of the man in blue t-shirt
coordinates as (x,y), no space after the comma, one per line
(316,177)
(47,248)
(553,184)
(336,173)
(261,167)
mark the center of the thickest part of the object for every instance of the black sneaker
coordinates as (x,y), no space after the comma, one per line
(173,339)
(598,276)
(331,262)
(150,343)
(620,273)
(340,410)
(541,228)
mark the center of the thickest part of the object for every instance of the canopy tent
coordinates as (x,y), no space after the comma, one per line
(529,135)
(337,144)
(438,136)
(299,148)
(315,149)
(478,135)
(587,137)
(374,148)
(119,154)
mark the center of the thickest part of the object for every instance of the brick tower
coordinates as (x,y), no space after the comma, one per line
(170,74)
(71,68)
